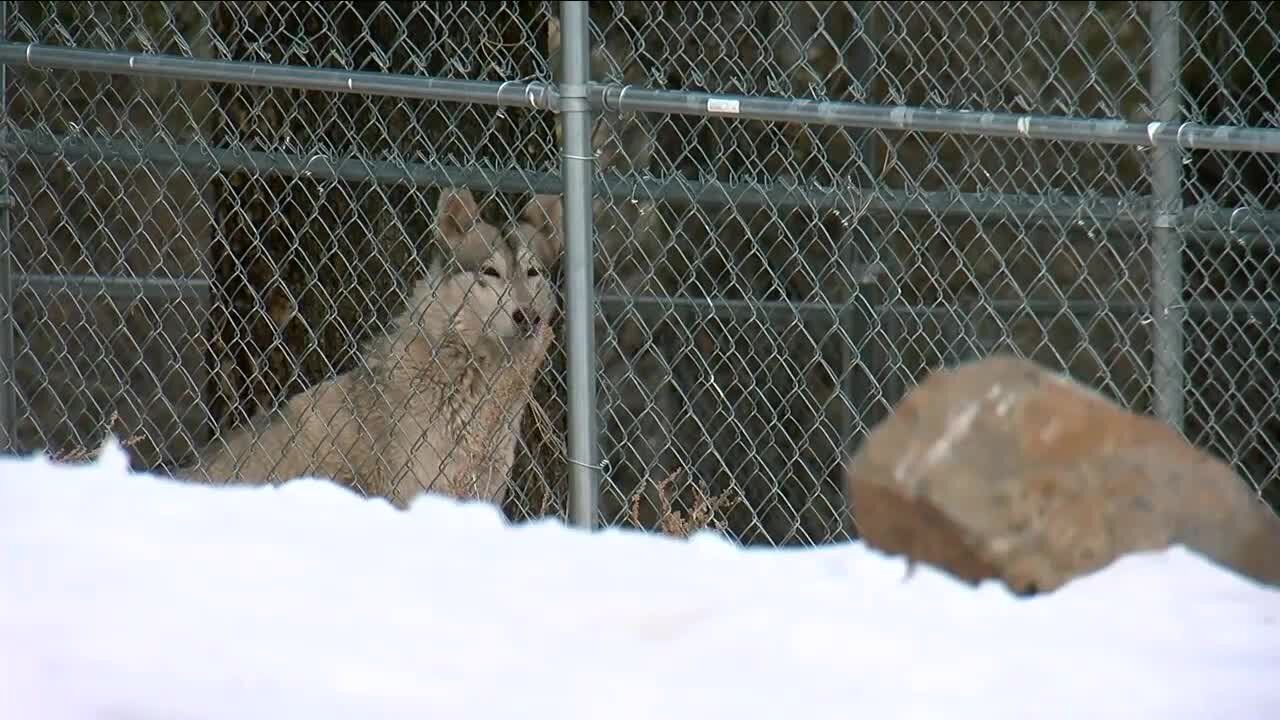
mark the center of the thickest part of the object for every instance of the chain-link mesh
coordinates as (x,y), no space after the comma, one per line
(766,290)
(300,269)
(1041,248)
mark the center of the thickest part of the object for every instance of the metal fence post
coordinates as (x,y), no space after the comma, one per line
(865,298)
(577,165)
(8,373)
(1168,309)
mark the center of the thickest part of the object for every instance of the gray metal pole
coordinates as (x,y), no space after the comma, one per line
(578,163)
(1167,307)
(8,374)
(1096,131)
(616,98)
(856,387)
(364,82)
(1205,223)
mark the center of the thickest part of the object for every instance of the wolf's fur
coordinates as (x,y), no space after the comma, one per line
(439,403)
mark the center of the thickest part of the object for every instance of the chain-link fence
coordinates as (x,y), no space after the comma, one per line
(797,209)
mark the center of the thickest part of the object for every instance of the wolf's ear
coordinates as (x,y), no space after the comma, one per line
(456,214)
(545,214)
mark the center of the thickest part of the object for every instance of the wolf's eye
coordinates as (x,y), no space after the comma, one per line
(492,272)
(534,272)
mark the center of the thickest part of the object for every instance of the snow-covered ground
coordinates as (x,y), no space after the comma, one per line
(137,598)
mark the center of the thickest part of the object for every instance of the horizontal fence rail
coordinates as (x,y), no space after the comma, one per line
(960,122)
(626,99)
(172,67)
(1116,215)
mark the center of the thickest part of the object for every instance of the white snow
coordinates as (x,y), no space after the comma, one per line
(129,597)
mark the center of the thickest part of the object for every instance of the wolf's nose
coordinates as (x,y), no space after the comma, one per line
(526,321)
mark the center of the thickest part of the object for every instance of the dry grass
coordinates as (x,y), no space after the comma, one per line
(707,511)
(533,492)
(84,454)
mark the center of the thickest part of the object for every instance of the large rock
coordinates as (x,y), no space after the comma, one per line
(1002,469)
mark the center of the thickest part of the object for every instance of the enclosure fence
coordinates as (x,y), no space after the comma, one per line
(777,218)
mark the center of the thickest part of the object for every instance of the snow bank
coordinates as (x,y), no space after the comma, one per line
(132,597)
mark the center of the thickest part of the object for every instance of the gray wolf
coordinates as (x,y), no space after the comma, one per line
(439,403)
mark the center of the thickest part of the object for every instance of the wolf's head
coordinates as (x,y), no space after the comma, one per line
(492,284)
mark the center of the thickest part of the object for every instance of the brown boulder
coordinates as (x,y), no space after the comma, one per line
(1003,469)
